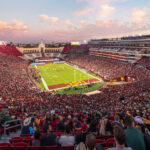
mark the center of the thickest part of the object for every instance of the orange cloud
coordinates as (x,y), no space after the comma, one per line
(4,26)
(19,26)
(67,22)
(83,12)
(83,31)
(107,29)
(16,30)
(44,17)
(106,10)
(54,19)
(14,25)
(139,16)
(82,22)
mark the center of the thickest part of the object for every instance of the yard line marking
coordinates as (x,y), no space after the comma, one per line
(77,68)
(61,77)
(45,85)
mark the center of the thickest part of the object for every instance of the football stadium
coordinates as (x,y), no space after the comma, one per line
(58,76)
(76,89)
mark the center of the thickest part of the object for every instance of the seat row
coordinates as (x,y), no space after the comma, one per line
(24,146)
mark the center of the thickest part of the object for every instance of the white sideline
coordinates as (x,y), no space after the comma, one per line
(45,85)
(77,68)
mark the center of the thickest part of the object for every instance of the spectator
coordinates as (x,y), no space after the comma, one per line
(70,122)
(46,125)
(90,143)
(48,139)
(120,138)
(60,125)
(36,141)
(19,95)
(93,127)
(117,121)
(134,138)
(77,124)
(66,139)
(26,126)
(138,118)
(80,137)
(103,126)
(108,128)
(146,136)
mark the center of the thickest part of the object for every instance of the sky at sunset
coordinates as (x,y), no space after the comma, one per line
(72,20)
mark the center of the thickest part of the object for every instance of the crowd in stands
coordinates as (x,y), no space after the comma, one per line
(145,62)
(76,48)
(10,50)
(109,68)
(79,120)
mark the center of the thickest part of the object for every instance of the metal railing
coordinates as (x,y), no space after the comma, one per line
(7,125)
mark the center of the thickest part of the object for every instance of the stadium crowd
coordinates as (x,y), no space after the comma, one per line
(145,62)
(81,118)
(109,68)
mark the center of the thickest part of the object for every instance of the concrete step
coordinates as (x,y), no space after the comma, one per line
(8,137)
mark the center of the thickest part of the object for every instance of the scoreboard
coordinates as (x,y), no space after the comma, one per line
(75,43)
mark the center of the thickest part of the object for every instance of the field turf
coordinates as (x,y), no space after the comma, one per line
(63,75)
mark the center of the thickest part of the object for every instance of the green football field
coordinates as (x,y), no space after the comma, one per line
(57,76)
